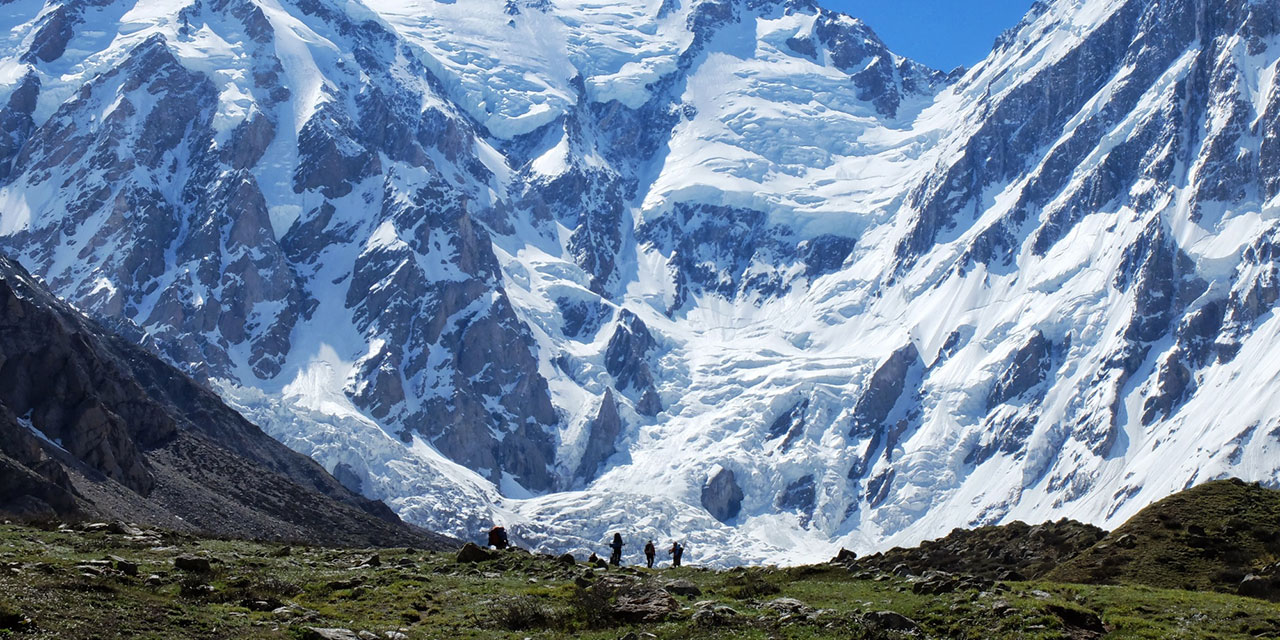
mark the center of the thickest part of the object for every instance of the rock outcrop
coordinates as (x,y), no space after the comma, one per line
(721,495)
(602,439)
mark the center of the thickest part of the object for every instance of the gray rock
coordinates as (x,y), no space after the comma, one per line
(1026,368)
(710,614)
(799,496)
(788,606)
(891,621)
(471,552)
(126,567)
(644,605)
(883,390)
(626,358)
(721,495)
(322,633)
(683,588)
(124,529)
(194,564)
(602,438)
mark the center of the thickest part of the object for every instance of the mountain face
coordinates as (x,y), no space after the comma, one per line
(728,271)
(91,425)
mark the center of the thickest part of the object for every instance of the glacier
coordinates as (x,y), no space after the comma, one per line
(724,271)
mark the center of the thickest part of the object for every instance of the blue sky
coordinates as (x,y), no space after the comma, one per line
(940,33)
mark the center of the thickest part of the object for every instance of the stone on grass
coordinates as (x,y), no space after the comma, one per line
(124,566)
(891,621)
(787,606)
(194,564)
(321,633)
(470,552)
(641,604)
(683,588)
(711,614)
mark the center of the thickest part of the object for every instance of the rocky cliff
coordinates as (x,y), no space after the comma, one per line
(94,426)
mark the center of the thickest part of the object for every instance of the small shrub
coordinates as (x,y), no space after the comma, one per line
(11,618)
(250,591)
(521,613)
(591,606)
(195,587)
(1230,575)
(750,585)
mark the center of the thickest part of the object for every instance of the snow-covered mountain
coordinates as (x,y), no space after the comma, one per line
(728,271)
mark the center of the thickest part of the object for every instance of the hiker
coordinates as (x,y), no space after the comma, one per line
(676,551)
(616,558)
(498,538)
(649,552)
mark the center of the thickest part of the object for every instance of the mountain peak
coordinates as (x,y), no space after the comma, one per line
(476,254)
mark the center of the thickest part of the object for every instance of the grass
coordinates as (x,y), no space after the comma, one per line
(1205,538)
(57,579)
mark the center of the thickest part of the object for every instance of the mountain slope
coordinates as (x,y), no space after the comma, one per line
(1207,538)
(722,270)
(94,426)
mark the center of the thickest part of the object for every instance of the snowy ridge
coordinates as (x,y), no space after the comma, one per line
(728,271)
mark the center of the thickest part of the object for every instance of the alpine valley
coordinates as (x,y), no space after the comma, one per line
(723,271)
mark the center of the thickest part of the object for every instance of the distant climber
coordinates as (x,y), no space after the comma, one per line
(649,552)
(615,558)
(498,538)
(676,552)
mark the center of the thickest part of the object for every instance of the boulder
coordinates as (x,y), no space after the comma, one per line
(845,556)
(123,529)
(1080,624)
(936,583)
(471,552)
(787,606)
(124,566)
(721,495)
(710,614)
(683,588)
(891,621)
(1256,586)
(320,633)
(644,604)
(194,564)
